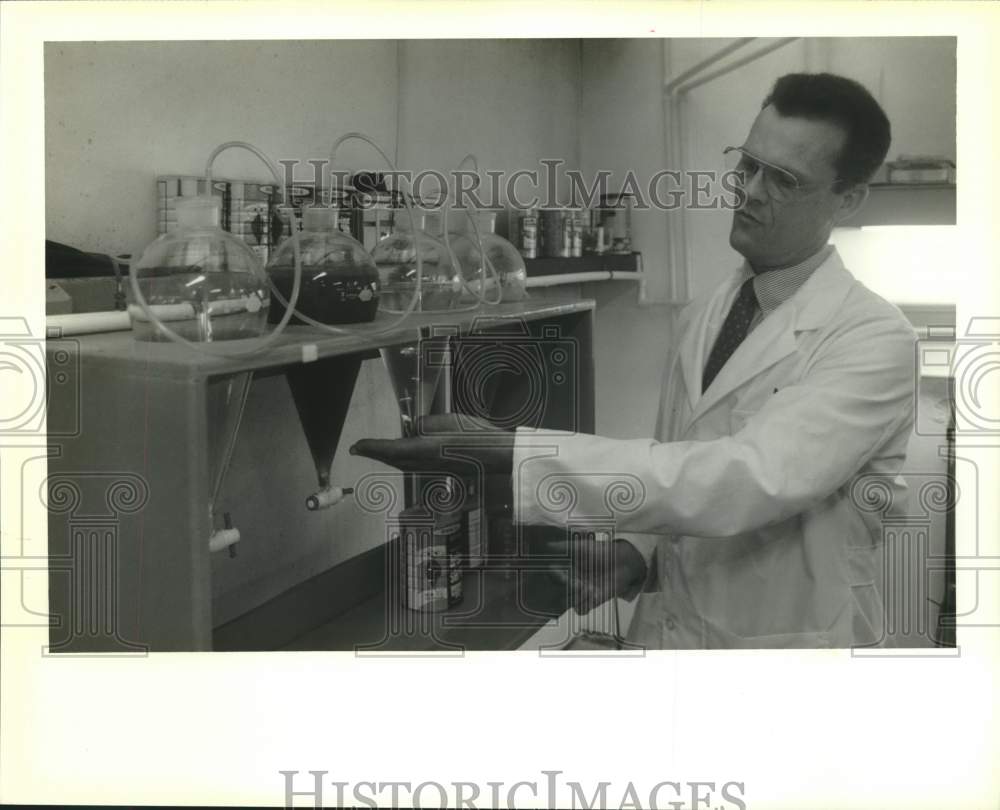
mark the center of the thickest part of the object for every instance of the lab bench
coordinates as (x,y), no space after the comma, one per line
(495,614)
(134,432)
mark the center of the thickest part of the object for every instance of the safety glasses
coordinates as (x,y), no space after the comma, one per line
(780,184)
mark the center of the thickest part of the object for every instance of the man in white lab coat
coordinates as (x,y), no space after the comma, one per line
(789,387)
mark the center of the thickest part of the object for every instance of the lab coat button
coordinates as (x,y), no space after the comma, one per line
(671,624)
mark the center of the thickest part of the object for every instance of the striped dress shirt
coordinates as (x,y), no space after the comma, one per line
(774,287)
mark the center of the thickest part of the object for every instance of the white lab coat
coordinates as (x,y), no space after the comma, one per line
(765,495)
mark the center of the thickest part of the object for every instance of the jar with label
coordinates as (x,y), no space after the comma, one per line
(577,226)
(527,233)
(593,234)
(432,545)
(616,217)
(475,527)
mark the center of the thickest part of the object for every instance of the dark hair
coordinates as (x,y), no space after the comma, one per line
(846,104)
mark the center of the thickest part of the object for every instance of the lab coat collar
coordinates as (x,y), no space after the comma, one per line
(821,296)
(812,305)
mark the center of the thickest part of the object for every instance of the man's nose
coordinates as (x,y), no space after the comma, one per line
(753,185)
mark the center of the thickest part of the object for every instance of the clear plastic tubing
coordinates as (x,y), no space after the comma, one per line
(259,344)
(392,325)
(487,264)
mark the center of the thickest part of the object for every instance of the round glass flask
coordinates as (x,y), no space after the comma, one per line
(507,263)
(201,282)
(340,283)
(396,259)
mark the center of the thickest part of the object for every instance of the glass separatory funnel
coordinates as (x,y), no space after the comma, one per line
(508,270)
(202,282)
(322,393)
(340,283)
(396,259)
(415,371)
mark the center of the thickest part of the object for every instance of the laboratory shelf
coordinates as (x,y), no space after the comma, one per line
(583,278)
(556,272)
(602,263)
(136,431)
(303,344)
(906,204)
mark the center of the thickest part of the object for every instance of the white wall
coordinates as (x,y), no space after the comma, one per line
(914,79)
(118,114)
(905,264)
(622,125)
(511,102)
(622,130)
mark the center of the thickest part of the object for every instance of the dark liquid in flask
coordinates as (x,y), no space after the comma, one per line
(336,296)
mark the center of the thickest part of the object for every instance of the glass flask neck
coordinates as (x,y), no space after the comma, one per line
(487,221)
(199,212)
(319,219)
(402,220)
(460,222)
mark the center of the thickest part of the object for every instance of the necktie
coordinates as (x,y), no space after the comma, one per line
(733,331)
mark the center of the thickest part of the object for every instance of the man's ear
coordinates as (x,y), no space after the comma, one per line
(851,202)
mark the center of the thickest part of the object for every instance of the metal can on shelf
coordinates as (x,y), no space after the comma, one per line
(555,233)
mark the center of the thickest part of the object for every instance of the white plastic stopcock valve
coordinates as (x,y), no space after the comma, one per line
(224,538)
(326,498)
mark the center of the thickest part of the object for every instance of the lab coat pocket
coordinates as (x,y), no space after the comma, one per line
(788,641)
(825,635)
(718,638)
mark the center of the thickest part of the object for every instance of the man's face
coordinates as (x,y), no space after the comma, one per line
(773,232)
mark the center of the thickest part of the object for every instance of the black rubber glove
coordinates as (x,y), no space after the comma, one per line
(451,443)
